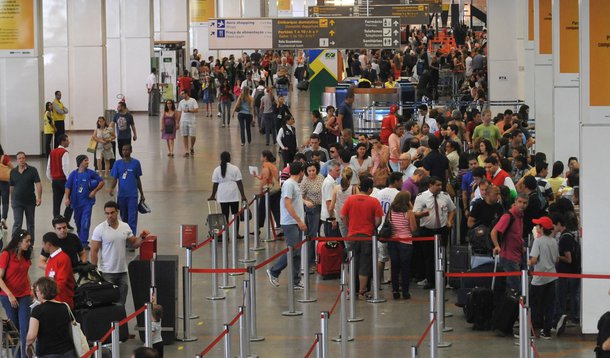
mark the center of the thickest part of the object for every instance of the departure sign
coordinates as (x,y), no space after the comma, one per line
(350,32)
(409,14)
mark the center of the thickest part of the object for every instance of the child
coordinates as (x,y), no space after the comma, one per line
(157,340)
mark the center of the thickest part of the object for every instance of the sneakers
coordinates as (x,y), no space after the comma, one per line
(274,281)
(298,286)
(423,282)
(544,335)
(561,324)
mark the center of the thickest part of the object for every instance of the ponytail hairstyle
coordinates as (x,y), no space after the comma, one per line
(346,178)
(225,157)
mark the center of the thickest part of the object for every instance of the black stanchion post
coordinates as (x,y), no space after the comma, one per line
(291,310)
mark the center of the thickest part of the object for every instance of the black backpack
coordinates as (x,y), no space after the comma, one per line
(257,98)
(480,236)
(603,328)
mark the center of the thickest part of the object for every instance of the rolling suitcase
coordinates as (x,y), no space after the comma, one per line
(480,305)
(506,312)
(95,322)
(459,261)
(94,291)
(329,257)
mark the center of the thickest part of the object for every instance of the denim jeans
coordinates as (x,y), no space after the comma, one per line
(312,220)
(225,109)
(512,282)
(119,279)
(20,316)
(245,124)
(400,256)
(269,125)
(292,234)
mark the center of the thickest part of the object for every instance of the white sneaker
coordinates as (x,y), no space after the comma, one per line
(274,281)
(423,282)
(299,286)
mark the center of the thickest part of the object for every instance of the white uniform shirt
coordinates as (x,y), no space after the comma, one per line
(227,192)
(112,258)
(328,186)
(425,202)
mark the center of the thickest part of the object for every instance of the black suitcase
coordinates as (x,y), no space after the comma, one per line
(506,312)
(479,308)
(459,261)
(95,322)
(303,85)
(95,292)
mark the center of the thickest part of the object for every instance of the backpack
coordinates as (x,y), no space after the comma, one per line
(480,236)
(576,254)
(258,95)
(543,203)
(603,327)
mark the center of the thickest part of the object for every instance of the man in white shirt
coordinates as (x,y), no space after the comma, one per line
(406,166)
(110,237)
(386,197)
(327,214)
(187,124)
(154,96)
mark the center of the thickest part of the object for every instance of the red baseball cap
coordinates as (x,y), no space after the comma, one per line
(544,221)
(393,108)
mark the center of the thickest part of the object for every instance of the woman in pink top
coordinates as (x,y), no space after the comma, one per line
(394,144)
(403,225)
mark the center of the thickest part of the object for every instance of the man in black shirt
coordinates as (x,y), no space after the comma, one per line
(436,164)
(486,211)
(345,116)
(68,242)
(534,206)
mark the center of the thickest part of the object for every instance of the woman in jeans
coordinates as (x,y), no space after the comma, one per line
(245,110)
(311,187)
(15,282)
(4,188)
(403,224)
(225,97)
(50,324)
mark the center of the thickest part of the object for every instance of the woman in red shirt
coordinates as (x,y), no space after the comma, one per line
(15,282)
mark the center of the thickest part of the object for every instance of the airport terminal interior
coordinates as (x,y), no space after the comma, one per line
(454,71)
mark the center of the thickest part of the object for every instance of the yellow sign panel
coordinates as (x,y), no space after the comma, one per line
(16,24)
(202,10)
(284,5)
(568,36)
(323,22)
(530,20)
(545,27)
(599,52)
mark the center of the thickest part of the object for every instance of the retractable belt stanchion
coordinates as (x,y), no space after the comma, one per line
(291,310)
(215,295)
(353,293)
(189,282)
(98,351)
(234,247)
(458,221)
(152,297)
(434,337)
(375,283)
(253,330)
(186,307)
(243,346)
(246,318)
(116,351)
(305,269)
(524,330)
(227,341)
(247,258)
(255,218)
(268,235)
(440,292)
(324,332)
(225,259)
(148,325)
(413,352)
(319,352)
(343,335)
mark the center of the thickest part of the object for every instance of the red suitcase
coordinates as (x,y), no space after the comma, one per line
(329,257)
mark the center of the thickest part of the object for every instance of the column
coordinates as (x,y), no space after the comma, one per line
(565,79)
(21,70)
(595,130)
(200,12)
(543,83)
(502,51)
(75,58)
(529,79)
(129,30)
(172,21)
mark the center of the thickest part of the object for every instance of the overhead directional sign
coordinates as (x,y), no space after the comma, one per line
(305,33)
(435,5)
(346,32)
(409,14)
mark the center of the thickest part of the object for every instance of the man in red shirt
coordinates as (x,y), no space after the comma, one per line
(388,123)
(363,214)
(59,268)
(185,82)
(58,169)
(498,176)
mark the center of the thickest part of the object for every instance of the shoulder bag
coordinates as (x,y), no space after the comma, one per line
(386,229)
(78,337)
(5,170)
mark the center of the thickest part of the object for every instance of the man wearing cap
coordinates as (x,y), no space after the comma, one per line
(510,249)
(544,256)
(388,123)
(81,187)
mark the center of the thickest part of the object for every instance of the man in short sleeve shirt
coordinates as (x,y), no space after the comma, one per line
(127,172)
(188,125)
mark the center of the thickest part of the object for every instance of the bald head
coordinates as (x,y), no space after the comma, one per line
(404,160)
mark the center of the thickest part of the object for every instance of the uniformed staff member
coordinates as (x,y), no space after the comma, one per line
(436,210)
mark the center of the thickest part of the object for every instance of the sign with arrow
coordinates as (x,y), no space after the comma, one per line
(337,32)
(235,34)
(409,14)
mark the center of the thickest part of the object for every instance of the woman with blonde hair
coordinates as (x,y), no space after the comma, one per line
(403,225)
(342,192)
(244,107)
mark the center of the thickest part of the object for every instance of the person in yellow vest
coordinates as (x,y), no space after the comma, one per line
(390,82)
(59,116)
(48,128)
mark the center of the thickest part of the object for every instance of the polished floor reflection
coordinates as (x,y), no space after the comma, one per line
(177,189)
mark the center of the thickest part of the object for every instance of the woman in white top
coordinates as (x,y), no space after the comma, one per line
(360,163)
(227,179)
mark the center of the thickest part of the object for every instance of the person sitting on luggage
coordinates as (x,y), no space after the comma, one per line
(50,323)
(110,237)
(68,242)
(59,268)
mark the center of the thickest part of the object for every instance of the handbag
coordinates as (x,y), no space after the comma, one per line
(78,337)
(5,171)
(386,228)
(143,208)
(91,146)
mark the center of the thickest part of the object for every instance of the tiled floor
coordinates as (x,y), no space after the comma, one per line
(177,189)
